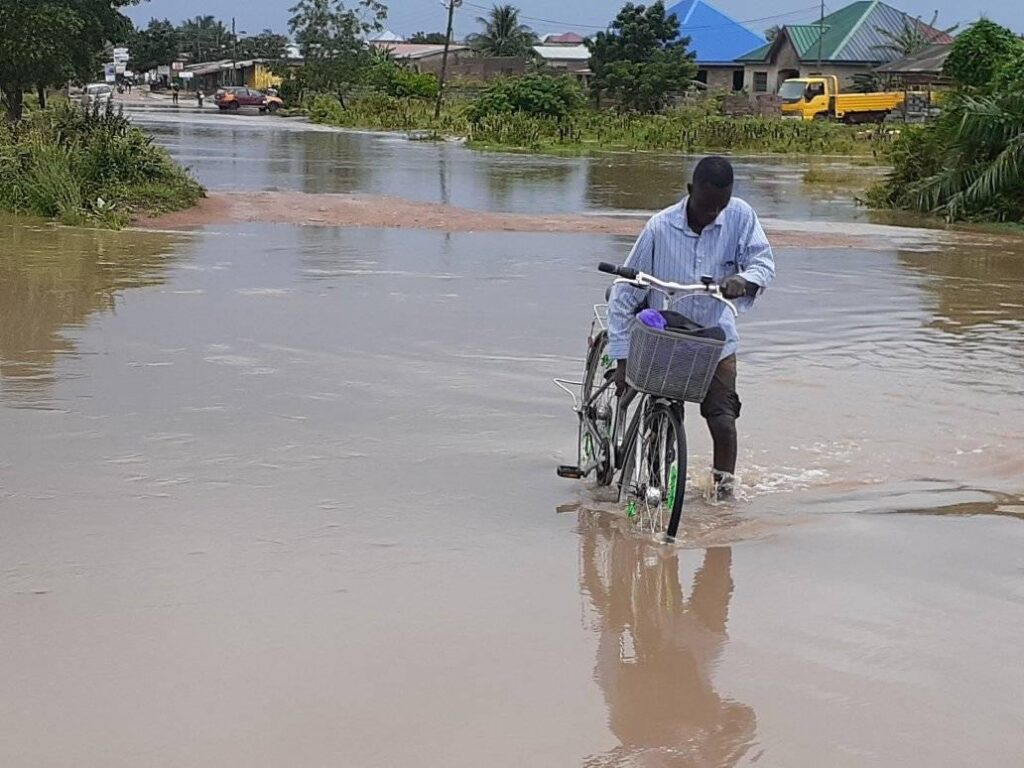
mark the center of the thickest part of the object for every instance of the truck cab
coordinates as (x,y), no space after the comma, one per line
(805,98)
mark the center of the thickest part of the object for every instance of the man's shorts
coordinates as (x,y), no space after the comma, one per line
(721,399)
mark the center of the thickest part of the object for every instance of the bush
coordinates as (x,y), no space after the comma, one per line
(534,95)
(326,109)
(965,166)
(392,79)
(88,167)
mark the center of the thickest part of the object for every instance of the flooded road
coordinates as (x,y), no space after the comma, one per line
(277,495)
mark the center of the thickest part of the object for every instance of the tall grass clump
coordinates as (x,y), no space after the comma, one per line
(88,167)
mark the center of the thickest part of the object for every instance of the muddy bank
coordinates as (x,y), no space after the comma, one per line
(382,212)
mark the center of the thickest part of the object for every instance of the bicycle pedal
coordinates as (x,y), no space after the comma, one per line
(571,472)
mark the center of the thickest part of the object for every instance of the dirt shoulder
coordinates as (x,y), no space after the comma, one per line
(377,212)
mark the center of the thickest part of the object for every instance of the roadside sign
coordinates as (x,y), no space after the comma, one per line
(177,66)
(109,72)
(121,56)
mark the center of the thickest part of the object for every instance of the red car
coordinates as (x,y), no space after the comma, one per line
(235,97)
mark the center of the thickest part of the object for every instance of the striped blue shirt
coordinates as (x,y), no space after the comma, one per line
(733,244)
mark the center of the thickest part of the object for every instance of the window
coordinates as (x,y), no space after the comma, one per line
(702,76)
(737,79)
(760,82)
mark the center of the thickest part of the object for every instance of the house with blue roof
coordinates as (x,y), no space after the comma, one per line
(718,41)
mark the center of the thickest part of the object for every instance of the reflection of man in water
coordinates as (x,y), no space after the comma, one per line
(657,652)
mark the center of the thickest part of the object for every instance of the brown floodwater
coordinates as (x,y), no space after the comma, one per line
(281,495)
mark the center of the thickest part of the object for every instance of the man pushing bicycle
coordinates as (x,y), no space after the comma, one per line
(709,233)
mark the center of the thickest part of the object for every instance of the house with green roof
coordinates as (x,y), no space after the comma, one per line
(845,43)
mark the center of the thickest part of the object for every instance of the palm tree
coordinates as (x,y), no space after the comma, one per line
(205,36)
(983,139)
(912,37)
(503,35)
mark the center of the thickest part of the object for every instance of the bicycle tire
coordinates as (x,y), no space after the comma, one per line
(656,460)
(596,364)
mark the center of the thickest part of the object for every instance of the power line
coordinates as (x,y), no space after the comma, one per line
(570,24)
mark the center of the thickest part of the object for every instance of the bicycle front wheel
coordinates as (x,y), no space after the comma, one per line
(599,403)
(654,475)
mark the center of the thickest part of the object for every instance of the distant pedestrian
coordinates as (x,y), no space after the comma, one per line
(174,93)
(199,97)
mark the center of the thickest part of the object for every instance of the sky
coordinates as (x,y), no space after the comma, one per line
(584,16)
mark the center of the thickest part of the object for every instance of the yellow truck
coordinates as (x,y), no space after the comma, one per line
(818,98)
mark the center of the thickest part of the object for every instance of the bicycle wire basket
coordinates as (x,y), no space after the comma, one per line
(672,364)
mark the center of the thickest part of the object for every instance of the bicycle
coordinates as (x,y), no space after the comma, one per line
(664,370)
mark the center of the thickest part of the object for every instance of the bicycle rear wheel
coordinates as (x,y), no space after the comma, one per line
(654,474)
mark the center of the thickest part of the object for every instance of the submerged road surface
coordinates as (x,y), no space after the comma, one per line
(280,495)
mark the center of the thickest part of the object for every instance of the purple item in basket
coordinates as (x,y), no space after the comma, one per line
(652,318)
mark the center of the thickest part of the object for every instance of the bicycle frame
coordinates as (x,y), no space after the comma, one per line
(605,442)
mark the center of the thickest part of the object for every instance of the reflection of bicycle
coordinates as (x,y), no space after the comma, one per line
(665,369)
(658,645)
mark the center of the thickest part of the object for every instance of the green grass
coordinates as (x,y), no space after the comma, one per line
(832,177)
(688,129)
(90,168)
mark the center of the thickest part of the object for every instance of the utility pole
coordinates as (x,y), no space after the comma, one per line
(451,5)
(821,32)
(234,52)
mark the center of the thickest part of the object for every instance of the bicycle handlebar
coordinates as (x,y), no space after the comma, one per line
(623,272)
(642,280)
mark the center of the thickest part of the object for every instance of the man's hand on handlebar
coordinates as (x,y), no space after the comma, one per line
(736,287)
(733,287)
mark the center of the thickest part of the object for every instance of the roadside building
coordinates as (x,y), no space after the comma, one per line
(565,59)
(463,63)
(566,38)
(848,42)
(921,70)
(208,76)
(387,36)
(918,76)
(717,40)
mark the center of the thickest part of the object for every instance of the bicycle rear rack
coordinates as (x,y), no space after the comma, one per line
(565,385)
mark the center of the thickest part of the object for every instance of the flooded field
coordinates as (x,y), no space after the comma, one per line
(282,495)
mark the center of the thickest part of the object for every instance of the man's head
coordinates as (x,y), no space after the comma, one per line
(710,190)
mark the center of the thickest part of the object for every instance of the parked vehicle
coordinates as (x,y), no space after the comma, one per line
(95,94)
(819,98)
(236,97)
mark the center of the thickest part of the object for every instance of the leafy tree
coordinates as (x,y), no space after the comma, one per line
(534,95)
(330,38)
(913,36)
(388,76)
(641,59)
(772,32)
(154,46)
(979,52)
(206,38)
(44,43)
(1009,78)
(502,34)
(428,38)
(266,45)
